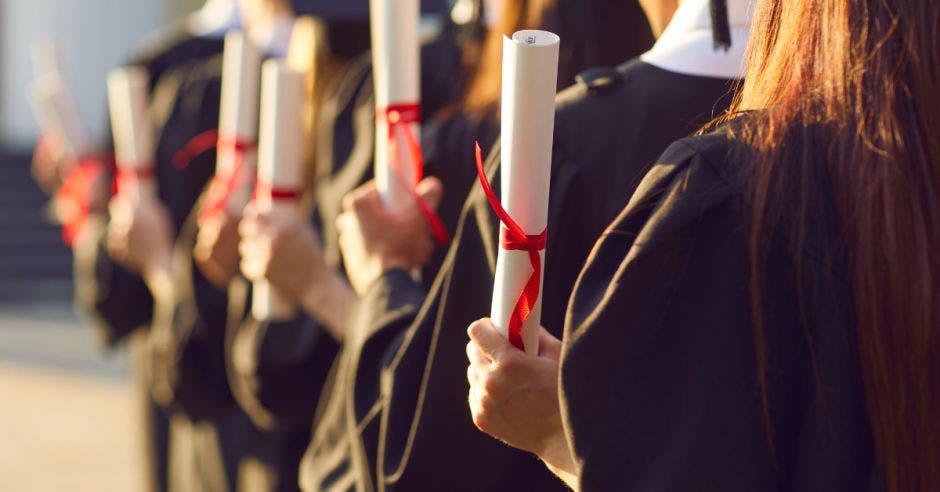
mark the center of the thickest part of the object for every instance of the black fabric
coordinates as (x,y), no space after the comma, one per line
(448,143)
(659,373)
(277,368)
(419,434)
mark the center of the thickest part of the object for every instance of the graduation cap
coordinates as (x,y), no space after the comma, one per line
(721,31)
(333,10)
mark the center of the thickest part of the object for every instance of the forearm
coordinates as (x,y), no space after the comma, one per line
(329,301)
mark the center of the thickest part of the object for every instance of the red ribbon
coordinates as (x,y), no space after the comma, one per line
(402,116)
(73,200)
(126,176)
(513,238)
(221,188)
(275,193)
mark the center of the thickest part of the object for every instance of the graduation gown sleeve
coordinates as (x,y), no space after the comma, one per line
(277,369)
(116,301)
(659,372)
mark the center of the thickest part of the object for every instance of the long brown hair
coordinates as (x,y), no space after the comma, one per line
(593,33)
(866,73)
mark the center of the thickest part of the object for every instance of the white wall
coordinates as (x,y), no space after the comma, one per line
(95,35)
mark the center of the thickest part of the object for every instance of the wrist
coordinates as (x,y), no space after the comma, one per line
(157,274)
(556,454)
(329,300)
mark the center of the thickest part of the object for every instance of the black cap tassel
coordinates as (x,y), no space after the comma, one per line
(721,32)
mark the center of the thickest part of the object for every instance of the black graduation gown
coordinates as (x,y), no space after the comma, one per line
(659,375)
(412,425)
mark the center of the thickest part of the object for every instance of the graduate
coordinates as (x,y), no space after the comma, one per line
(211,440)
(278,368)
(114,298)
(633,111)
(763,314)
(333,456)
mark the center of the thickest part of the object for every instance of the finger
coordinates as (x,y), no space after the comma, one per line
(475,355)
(248,227)
(549,346)
(342,223)
(431,191)
(471,375)
(357,195)
(489,341)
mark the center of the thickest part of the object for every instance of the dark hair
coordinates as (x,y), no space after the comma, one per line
(593,33)
(867,73)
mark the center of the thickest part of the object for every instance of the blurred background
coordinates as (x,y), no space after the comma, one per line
(68,409)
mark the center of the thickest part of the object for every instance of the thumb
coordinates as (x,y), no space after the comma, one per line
(489,340)
(431,191)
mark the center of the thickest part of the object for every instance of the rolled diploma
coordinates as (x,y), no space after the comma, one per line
(238,117)
(58,115)
(280,164)
(47,57)
(530,73)
(397,76)
(131,127)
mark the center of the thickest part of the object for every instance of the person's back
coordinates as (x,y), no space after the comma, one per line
(771,291)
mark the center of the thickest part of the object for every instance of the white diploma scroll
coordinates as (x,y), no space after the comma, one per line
(530,73)
(238,119)
(133,131)
(58,115)
(280,165)
(397,77)
(47,58)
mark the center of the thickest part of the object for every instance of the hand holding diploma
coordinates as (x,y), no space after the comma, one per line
(216,249)
(514,396)
(375,239)
(140,237)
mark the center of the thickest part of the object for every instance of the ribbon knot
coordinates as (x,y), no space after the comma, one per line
(514,238)
(72,199)
(401,117)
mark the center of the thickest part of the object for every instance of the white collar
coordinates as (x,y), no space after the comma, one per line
(686,45)
(215,18)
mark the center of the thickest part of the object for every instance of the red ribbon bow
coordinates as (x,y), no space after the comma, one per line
(221,188)
(402,116)
(513,238)
(72,198)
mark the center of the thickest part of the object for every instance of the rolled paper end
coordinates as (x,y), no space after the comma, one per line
(534,38)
